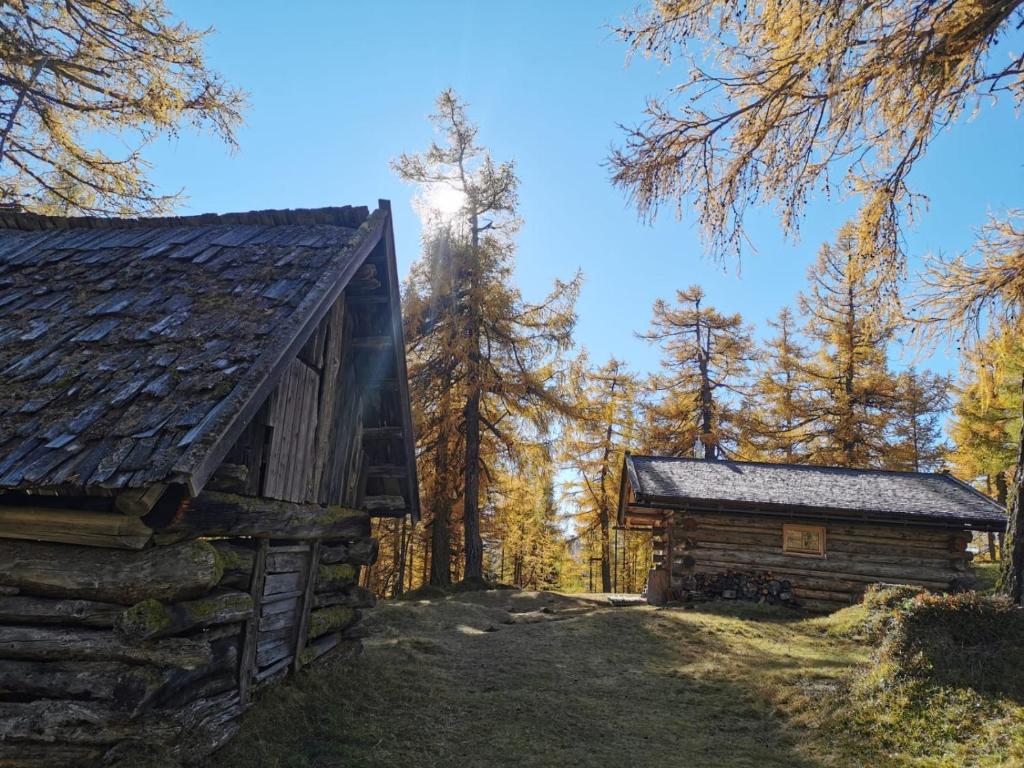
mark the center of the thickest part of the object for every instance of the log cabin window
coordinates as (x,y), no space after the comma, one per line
(803,539)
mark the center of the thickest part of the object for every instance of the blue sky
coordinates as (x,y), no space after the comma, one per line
(340,88)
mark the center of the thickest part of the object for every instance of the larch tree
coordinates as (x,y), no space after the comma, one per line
(433,329)
(71,70)
(504,350)
(852,392)
(777,413)
(921,403)
(786,99)
(978,292)
(532,544)
(705,362)
(987,411)
(593,447)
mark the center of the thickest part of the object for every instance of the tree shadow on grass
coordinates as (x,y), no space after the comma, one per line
(608,687)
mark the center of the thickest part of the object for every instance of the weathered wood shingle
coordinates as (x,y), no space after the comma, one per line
(740,485)
(128,347)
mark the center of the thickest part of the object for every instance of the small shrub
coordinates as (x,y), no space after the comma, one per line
(961,640)
(869,619)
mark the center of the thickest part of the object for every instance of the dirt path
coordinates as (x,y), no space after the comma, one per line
(534,679)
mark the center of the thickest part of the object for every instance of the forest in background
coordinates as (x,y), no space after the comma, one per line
(519,434)
(507,406)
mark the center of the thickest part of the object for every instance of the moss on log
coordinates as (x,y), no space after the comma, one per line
(226,514)
(151,619)
(238,563)
(333,619)
(333,577)
(171,573)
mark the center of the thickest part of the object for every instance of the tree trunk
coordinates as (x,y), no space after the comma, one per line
(1012,577)
(606,580)
(401,545)
(440,542)
(1001,489)
(474,569)
(473,543)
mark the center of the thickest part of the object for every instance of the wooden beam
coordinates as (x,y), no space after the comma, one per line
(226,514)
(22,609)
(370,298)
(306,605)
(70,526)
(63,644)
(372,342)
(378,504)
(136,502)
(387,470)
(250,634)
(179,572)
(382,433)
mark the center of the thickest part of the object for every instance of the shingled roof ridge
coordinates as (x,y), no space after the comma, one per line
(796,465)
(339,216)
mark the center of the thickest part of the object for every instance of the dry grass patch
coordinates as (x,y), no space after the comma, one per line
(521,679)
(525,679)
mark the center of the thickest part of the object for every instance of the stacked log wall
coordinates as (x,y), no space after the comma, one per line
(857,555)
(104,652)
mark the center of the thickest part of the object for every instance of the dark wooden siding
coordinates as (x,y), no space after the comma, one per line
(305,443)
(856,554)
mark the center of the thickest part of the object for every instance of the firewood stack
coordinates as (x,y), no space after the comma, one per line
(757,588)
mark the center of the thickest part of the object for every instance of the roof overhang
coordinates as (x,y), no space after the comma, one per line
(634,503)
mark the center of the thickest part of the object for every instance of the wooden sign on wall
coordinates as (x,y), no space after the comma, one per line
(803,539)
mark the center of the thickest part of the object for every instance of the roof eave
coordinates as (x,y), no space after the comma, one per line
(403,377)
(853,515)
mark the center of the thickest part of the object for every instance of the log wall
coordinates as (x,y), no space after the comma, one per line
(857,554)
(106,651)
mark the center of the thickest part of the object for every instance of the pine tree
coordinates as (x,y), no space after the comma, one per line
(705,361)
(777,412)
(852,390)
(916,441)
(502,350)
(593,448)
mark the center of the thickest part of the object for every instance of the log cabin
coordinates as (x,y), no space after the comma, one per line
(198,418)
(816,536)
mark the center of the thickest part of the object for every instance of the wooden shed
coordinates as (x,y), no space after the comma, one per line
(198,416)
(818,534)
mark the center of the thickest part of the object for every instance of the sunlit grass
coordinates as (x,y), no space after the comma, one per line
(532,679)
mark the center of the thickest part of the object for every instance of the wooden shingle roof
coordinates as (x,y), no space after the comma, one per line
(853,493)
(130,348)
